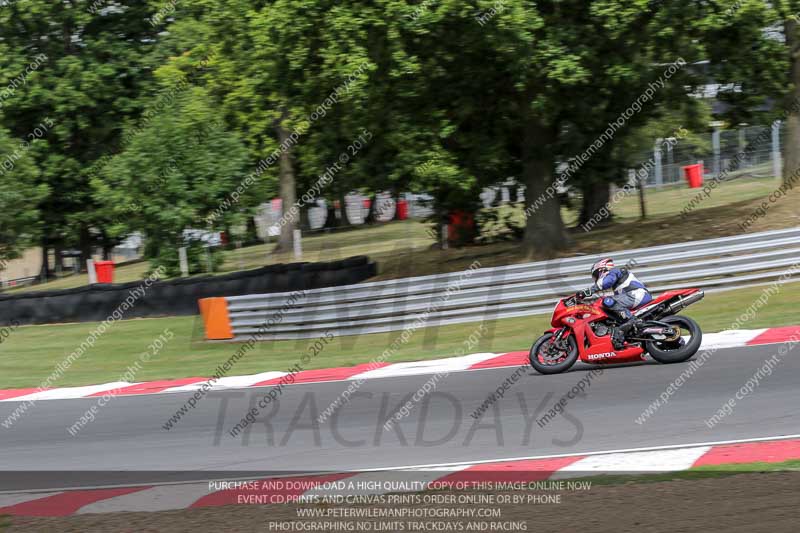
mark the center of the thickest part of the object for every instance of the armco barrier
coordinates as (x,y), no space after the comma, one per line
(508,291)
(179,296)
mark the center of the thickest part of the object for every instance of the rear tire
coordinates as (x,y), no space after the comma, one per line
(668,353)
(555,368)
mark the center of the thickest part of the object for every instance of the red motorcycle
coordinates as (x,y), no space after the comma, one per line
(582,329)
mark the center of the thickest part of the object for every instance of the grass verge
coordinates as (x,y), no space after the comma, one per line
(695,473)
(31,353)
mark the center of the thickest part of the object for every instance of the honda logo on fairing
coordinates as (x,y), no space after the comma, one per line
(602,355)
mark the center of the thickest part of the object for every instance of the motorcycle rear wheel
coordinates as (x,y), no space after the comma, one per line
(679,351)
(562,365)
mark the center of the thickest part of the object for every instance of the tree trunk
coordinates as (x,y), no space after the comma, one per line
(642,205)
(85,246)
(44,272)
(370,218)
(593,206)
(331,221)
(288,191)
(343,220)
(305,218)
(58,258)
(791,147)
(544,229)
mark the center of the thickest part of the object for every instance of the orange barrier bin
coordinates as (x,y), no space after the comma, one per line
(216,319)
(694,175)
(105,271)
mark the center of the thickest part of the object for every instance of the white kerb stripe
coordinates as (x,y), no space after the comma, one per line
(246,381)
(724,339)
(434,366)
(729,338)
(653,461)
(72,392)
(7,500)
(229,382)
(163,498)
(380,483)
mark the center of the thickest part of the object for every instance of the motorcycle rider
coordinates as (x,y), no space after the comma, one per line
(629,293)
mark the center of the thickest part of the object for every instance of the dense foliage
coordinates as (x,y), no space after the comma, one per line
(166,120)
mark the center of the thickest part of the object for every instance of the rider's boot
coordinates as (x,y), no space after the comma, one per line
(618,338)
(626,321)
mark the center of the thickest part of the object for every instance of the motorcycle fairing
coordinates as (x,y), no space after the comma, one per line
(661,298)
(592,348)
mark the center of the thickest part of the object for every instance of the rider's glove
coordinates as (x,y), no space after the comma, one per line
(587,292)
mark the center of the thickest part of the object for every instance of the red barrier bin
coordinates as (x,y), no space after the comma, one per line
(105,271)
(694,175)
(461,222)
(402,210)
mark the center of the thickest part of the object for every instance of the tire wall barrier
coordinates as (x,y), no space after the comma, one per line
(177,297)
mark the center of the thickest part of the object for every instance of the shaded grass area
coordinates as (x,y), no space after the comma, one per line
(123,274)
(404,248)
(377,242)
(670,200)
(717,216)
(31,353)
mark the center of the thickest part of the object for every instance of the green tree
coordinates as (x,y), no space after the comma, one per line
(296,92)
(760,79)
(19,196)
(527,86)
(94,68)
(177,174)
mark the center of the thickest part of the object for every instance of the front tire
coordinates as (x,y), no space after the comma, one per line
(681,350)
(555,362)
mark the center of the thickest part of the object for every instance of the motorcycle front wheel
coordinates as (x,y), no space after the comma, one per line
(548,358)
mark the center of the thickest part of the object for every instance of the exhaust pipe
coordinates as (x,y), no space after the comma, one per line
(685,301)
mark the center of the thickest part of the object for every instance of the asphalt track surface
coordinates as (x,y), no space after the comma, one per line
(128,434)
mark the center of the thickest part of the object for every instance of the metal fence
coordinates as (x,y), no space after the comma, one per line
(509,291)
(760,147)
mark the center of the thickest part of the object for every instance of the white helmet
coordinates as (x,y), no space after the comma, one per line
(602,266)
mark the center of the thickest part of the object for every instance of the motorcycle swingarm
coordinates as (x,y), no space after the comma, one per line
(653,323)
(650,339)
